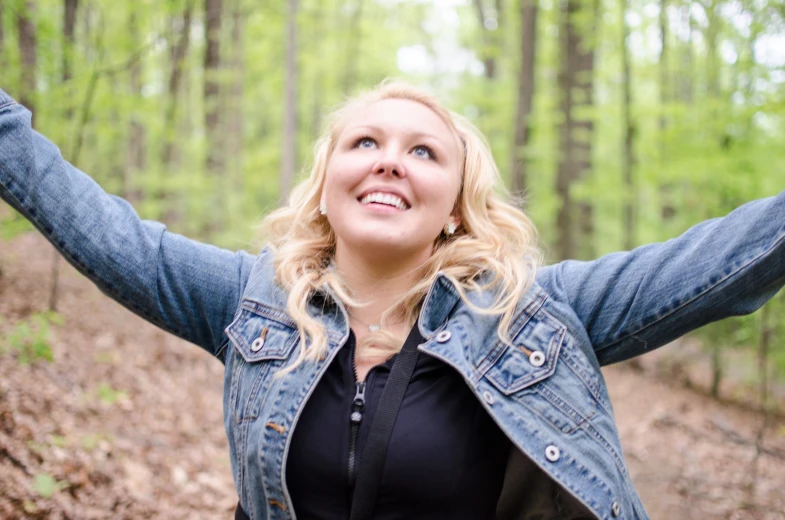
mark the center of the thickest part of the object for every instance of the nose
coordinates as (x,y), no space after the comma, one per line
(390,163)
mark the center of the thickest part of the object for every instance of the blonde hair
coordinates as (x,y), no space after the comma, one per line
(494,247)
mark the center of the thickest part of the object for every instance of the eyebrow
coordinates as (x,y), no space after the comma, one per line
(416,133)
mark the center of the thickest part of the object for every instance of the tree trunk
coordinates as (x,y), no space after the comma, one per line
(668,208)
(28,49)
(289,153)
(575,135)
(2,36)
(69,25)
(177,58)
(235,105)
(136,152)
(213,18)
(353,37)
(318,84)
(489,19)
(528,42)
(685,78)
(628,162)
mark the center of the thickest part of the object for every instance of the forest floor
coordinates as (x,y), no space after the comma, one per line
(126,422)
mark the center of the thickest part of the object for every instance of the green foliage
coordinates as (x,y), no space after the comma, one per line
(30,339)
(46,485)
(13,225)
(709,120)
(108,395)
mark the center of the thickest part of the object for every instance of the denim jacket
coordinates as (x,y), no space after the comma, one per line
(545,391)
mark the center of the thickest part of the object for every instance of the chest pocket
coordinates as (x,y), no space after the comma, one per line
(262,340)
(545,371)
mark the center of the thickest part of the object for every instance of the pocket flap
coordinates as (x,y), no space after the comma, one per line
(532,356)
(260,334)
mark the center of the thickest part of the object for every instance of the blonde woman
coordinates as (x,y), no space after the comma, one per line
(401,234)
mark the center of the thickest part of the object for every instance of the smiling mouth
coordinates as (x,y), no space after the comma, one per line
(386,199)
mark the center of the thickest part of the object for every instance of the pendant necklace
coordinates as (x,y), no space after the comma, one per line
(374,327)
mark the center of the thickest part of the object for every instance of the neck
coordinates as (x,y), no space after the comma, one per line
(375,283)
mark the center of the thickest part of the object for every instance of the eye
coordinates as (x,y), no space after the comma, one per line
(426,152)
(364,142)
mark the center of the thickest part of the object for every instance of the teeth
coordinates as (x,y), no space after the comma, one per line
(385,198)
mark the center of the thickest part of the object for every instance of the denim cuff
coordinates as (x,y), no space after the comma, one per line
(5,99)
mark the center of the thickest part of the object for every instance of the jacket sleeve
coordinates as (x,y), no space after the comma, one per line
(633,302)
(189,289)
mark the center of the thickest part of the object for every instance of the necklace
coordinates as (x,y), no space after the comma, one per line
(373,327)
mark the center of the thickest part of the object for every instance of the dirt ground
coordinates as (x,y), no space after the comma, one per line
(126,422)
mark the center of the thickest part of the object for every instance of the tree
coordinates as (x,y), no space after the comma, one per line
(235,103)
(176,64)
(576,92)
(628,160)
(528,44)
(289,152)
(353,37)
(489,18)
(28,48)
(2,37)
(136,150)
(213,20)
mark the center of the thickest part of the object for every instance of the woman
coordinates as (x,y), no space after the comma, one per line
(399,233)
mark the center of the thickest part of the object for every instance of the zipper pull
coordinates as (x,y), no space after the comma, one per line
(359,402)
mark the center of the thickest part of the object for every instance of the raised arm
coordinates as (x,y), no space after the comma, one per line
(633,302)
(184,287)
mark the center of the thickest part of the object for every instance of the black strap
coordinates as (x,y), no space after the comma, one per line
(375,452)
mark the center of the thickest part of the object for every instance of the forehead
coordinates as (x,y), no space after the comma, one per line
(402,116)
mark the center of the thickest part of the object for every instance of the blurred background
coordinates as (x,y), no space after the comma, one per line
(622,122)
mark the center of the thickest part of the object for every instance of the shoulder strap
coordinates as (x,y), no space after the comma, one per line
(375,452)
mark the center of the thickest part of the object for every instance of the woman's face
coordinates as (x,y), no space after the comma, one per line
(392,181)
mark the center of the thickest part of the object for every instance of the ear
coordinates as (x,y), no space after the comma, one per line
(455,216)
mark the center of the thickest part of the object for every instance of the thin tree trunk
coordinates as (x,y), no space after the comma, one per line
(2,36)
(528,42)
(28,48)
(685,83)
(353,37)
(668,209)
(764,346)
(136,153)
(213,20)
(575,135)
(235,105)
(489,24)
(69,24)
(177,58)
(628,162)
(289,154)
(318,84)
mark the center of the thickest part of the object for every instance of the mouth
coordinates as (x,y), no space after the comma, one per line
(384,199)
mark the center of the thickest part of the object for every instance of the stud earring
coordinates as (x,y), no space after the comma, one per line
(450,228)
(323,208)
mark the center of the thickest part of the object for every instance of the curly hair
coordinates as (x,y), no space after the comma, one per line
(495,246)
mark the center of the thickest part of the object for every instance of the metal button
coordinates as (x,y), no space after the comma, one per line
(552,453)
(615,508)
(443,336)
(537,358)
(257,345)
(488,397)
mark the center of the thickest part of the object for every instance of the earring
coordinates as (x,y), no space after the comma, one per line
(323,208)
(450,228)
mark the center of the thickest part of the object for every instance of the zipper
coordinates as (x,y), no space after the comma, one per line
(358,405)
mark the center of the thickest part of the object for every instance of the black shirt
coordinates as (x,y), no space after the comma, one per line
(446,458)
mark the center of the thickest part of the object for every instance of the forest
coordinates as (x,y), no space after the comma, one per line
(615,122)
